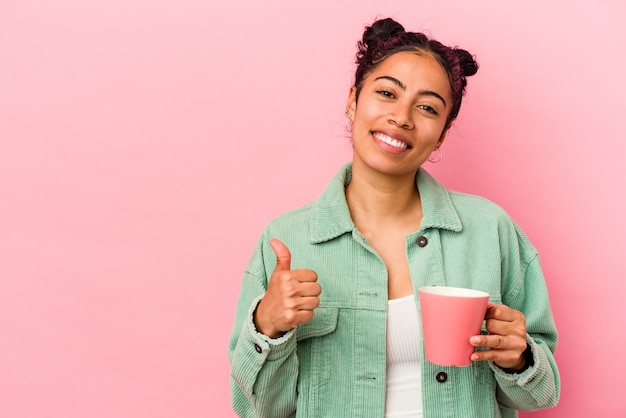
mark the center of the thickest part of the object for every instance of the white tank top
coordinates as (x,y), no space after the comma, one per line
(404,379)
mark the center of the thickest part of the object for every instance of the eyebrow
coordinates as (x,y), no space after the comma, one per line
(403,87)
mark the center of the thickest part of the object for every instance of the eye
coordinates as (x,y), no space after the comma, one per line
(386,93)
(429,109)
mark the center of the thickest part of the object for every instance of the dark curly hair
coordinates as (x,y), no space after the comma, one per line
(386,37)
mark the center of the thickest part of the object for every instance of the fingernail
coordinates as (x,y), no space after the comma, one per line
(475,340)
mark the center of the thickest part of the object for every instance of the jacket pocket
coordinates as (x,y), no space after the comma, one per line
(324,322)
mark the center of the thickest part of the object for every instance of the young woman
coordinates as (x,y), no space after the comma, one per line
(328,324)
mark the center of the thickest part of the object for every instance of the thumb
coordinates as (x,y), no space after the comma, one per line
(283,256)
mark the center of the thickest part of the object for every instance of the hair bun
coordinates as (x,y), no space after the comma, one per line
(380,30)
(468,64)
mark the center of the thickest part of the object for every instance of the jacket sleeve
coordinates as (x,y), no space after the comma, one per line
(539,385)
(264,371)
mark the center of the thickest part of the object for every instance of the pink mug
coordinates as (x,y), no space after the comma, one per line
(450,316)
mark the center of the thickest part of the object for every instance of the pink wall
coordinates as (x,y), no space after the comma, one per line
(144,144)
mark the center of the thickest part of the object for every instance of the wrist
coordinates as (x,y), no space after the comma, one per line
(526,362)
(263,326)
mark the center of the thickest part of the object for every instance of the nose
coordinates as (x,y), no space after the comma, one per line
(401,115)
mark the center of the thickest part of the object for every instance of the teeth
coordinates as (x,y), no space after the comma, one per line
(389,140)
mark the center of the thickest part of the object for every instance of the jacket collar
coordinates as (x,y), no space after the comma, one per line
(331,216)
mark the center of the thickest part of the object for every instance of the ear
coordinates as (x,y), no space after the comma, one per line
(351,104)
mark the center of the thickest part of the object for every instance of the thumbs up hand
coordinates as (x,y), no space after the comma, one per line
(291,296)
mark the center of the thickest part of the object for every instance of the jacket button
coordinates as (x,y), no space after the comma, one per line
(422,241)
(441,377)
(258,348)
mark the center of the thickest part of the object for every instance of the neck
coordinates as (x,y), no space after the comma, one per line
(379,196)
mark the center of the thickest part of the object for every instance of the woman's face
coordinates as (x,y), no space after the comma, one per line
(400,116)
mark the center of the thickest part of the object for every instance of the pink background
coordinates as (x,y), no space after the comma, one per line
(145,144)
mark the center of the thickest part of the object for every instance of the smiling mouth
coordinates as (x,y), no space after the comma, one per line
(390,141)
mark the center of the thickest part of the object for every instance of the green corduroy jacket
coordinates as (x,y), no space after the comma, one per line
(334,365)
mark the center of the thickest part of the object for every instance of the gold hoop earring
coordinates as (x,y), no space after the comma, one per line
(438,159)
